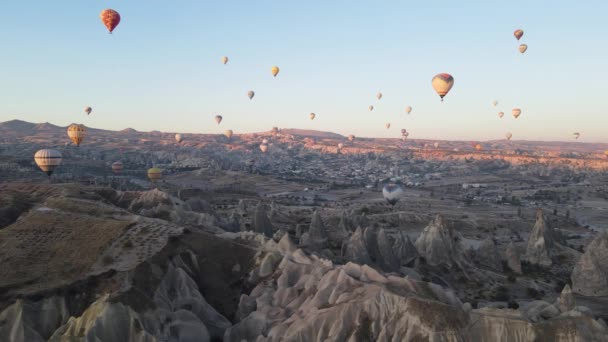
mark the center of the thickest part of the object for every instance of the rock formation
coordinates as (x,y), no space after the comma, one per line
(439,244)
(388,261)
(404,249)
(317,234)
(541,243)
(355,249)
(512,258)
(487,255)
(566,301)
(261,222)
(590,274)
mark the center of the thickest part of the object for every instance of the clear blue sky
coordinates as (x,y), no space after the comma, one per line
(161,68)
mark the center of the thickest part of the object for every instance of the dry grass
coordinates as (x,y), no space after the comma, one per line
(44,250)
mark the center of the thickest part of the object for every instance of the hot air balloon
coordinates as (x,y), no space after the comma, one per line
(523,48)
(501,114)
(117,167)
(110,18)
(392,193)
(606,153)
(516,112)
(263,148)
(275,131)
(88,110)
(225,60)
(518,34)
(250,94)
(379,95)
(408,109)
(370,108)
(403,131)
(509,136)
(576,135)
(341,146)
(264,141)
(77,133)
(155,174)
(442,83)
(47,160)
(218,119)
(494,103)
(436,144)
(387,125)
(228,133)
(351,138)
(312,116)
(274,70)
(406,134)
(179,138)
(478,147)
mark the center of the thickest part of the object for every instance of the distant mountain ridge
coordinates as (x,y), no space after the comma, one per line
(311,133)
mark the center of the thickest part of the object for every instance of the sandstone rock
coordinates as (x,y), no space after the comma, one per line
(566,301)
(512,257)
(439,244)
(404,249)
(261,222)
(355,249)
(590,274)
(487,255)
(317,233)
(541,243)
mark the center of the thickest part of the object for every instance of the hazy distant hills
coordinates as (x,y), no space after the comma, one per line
(311,133)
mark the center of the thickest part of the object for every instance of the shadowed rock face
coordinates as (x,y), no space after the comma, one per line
(261,222)
(590,275)
(487,255)
(317,234)
(439,244)
(355,250)
(512,256)
(404,249)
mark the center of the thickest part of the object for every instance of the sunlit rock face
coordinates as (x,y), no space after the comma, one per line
(439,244)
(541,244)
(590,275)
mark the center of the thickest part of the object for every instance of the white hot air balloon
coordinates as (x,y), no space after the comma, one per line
(48,160)
(263,148)
(494,103)
(392,193)
(408,109)
(179,138)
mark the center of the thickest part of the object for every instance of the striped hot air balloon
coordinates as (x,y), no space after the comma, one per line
(155,174)
(47,160)
(442,83)
(117,167)
(77,133)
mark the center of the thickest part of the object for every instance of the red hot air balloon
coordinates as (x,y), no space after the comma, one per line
(110,18)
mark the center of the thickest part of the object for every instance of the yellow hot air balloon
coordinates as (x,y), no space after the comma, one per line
(509,136)
(225,60)
(494,103)
(370,108)
(228,133)
(117,167)
(263,148)
(379,95)
(518,34)
(88,110)
(76,133)
(250,94)
(516,112)
(47,160)
(155,174)
(179,138)
(388,125)
(351,138)
(442,83)
(408,109)
(501,114)
(274,70)
(606,153)
(523,48)
(218,119)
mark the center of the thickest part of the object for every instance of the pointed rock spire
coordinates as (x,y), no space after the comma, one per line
(541,243)
(404,249)
(439,244)
(566,299)
(355,249)
(317,233)
(590,274)
(388,261)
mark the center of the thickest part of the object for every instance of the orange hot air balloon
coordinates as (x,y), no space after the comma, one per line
(478,147)
(518,34)
(76,133)
(110,18)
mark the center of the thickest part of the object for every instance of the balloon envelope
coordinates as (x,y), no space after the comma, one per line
(312,116)
(275,71)
(251,94)
(117,167)
(518,34)
(442,83)
(494,103)
(408,109)
(154,174)
(508,136)
(523,48)
(263,148)
(501,114)
(379,95)
(179,138)
(110,18)
(76,133)
(388,125)
(225,60)
(47,160)
(392,193)
(351,138)
(370,108)
(516,112)
(218,119)
(88,110)
(228,133)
